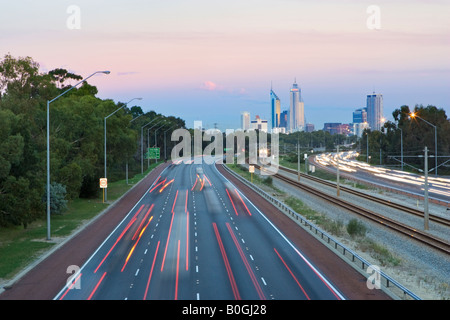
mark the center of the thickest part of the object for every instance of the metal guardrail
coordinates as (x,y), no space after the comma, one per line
(390,285)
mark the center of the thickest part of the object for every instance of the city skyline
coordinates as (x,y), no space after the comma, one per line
(218,60)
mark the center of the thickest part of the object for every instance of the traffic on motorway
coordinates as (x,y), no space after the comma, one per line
(438,187)
(194,235)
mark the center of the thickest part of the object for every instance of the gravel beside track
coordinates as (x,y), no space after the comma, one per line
(423,270)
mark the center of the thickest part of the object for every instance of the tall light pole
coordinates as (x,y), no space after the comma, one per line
(48,145)
(156,130)
(401,145)
(414,115)
(142,143)
(106,189)
(148,139)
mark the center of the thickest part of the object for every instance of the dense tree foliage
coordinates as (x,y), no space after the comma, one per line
(76,138)
(385,146)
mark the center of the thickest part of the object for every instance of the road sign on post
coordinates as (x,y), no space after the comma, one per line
(103,185)
(152,153)
(251,169)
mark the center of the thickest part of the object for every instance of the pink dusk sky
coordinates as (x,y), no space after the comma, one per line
(210,60)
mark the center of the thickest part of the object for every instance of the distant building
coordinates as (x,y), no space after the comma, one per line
(375,111)
(337,128)
(358,128)
(258,124)
(279,130)
(296,109)
(275,105)
(245,120)
(309,127)
(284,119)
(360,115)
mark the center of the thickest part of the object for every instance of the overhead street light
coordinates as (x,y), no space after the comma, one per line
(105,190)
(48,144)
(414,115)
(142,142)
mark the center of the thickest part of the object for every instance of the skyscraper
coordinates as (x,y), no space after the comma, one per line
(275,109)
(375,111)
(360,115)
(296,109)
(245,120)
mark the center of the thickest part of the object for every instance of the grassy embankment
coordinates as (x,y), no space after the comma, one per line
(19,246)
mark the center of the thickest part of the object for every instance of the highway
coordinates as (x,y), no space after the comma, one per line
(439,187)
(194,236)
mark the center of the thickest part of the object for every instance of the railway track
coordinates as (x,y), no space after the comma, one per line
(404,229)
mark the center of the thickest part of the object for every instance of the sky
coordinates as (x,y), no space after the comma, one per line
(210,60)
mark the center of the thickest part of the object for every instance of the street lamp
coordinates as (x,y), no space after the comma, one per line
(142,143)
(414,115)
(48,145)
(105,190)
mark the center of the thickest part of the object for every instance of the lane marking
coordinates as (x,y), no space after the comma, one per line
(227,264)
(335,292)
(247,265)
(151,271)
(96,287)
(292,274)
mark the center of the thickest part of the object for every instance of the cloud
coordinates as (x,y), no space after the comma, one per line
(127,73)
(210,86)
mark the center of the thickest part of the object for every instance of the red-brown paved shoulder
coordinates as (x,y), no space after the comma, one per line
(349,281)
(45,280)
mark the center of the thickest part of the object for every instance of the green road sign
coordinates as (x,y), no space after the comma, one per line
(152,153)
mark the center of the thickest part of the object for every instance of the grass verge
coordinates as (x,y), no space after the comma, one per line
(19,247)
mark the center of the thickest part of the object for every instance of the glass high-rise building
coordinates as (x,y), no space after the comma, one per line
(375,111)
(245,120)
(360,115)
(296,109)
(275,106)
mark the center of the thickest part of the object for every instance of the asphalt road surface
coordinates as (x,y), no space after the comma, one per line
(193,235)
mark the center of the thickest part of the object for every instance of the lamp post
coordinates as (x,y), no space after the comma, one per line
(142,143)
(414,115)
(156,130)
(48,145)
(401,145)
(148,139)
(105,190)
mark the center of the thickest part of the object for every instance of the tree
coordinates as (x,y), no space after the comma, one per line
(60,76)
(58,202)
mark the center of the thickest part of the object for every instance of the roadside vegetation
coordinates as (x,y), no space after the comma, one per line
(76,140)
(20,246)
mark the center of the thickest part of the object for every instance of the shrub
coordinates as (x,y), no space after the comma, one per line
(356,228)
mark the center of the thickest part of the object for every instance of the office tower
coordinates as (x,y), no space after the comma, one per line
(309,127)
(284,119)
(296,109)
(375,111)
(275,109)
(245,120)
(360,115)
(259,124)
